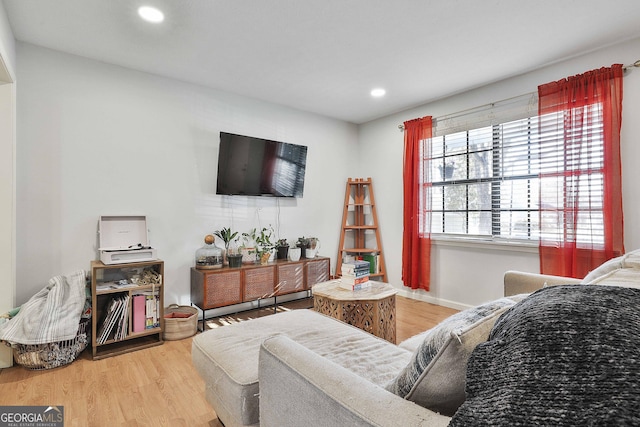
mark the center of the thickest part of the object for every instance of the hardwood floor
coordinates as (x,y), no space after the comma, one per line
(413,317)
(157,386)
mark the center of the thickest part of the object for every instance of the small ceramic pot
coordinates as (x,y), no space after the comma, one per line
(294,254)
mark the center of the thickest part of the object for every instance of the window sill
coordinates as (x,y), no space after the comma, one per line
(482,243)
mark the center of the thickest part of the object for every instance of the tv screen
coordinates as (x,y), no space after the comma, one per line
(259,167)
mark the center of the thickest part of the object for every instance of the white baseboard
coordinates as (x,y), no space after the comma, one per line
(421,296)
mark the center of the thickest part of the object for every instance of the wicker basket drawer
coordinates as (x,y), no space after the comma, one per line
(215,288)
(259,283)
(290,278)
(317,272)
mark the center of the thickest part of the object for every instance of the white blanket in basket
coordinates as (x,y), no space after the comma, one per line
(51,315)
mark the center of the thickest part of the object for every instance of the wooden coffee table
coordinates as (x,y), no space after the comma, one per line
(372,309)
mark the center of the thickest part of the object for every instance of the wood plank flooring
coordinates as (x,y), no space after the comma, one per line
(157,386)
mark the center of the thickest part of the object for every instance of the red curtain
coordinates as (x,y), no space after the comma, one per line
(580,99)
(416,239)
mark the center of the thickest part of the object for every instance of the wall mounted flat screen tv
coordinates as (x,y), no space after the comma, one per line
(259,167)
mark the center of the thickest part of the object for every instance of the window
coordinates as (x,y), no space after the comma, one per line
(485,181)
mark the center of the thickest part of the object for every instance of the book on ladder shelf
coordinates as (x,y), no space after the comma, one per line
(360,232)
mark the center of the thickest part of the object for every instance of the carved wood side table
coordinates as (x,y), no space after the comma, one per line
(372,309)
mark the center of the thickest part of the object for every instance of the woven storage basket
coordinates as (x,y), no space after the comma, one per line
(177,328)
(51,355)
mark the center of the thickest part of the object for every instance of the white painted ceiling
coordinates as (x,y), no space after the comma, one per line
(325,56)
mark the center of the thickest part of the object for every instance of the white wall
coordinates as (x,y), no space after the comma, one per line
(471,274)
(7,208)
(7,175)
(96,139)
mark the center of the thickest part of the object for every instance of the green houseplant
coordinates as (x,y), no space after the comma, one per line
(248,248)
(264,244)
(303,244)
(228,237)
(282,248)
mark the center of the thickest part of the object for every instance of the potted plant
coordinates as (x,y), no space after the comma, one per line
(248,248)
(446,172)
(283,248)
(234,257)
(314,247)
(227,236)
(230,239)
(264,245)
(303,244)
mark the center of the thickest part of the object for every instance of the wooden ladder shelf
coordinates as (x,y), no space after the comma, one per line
(359,227)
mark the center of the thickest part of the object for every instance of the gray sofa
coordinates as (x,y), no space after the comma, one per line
(300,388)
(520,282)
(621,271)
(303,368)
(232,361)
(247,368)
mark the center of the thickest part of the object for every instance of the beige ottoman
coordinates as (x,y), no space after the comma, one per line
(227,358)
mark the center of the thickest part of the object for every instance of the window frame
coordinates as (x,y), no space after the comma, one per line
(497,176)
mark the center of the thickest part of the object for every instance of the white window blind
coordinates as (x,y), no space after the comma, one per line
(497,112)
(484,169)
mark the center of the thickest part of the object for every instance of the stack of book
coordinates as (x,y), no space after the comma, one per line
(355,275)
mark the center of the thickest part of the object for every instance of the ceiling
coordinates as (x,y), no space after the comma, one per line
(325,56)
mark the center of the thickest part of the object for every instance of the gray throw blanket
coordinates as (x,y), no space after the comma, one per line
(51,315)
(565,356)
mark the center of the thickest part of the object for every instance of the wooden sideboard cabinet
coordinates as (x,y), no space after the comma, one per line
(228,286)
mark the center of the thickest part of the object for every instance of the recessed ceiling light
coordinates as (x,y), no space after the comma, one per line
(151,14)
(378,92)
